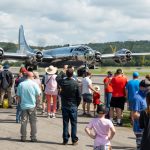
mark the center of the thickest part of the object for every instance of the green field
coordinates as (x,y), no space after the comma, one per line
(127,70)
(103,70)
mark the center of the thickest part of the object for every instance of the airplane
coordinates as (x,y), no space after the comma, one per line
(80,54)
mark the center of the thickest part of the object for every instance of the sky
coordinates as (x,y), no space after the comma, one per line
(59,22)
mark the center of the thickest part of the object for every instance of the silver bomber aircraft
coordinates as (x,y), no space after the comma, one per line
(69,54)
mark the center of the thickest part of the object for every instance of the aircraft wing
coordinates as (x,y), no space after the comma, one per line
(140,54)
(14,56)
(105,56)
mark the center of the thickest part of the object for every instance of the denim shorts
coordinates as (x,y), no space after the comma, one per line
(87,97)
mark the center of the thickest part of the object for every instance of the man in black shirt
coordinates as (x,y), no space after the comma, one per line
(71,98)
(6,83)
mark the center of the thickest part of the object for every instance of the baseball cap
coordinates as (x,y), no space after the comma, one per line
(109,72)
(6,66)
(135,74)
(23,70)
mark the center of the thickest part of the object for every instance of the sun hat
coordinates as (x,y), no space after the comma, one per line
(51,70)
(96,87)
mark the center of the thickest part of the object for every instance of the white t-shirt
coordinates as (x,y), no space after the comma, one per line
(85,85)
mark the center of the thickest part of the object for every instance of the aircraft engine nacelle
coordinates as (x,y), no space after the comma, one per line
(123,56)
(1,53)
(98,56)
(31,60)
(39,56)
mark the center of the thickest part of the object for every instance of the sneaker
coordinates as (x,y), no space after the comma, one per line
(48,115)
(75,143)
(53,115)
(119,124)
(23,140)
(33,140)
(89,115)
(65,143)
(18,121)
(10,107)
(43,112)
(84,114)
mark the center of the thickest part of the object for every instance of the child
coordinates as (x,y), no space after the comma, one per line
(96,97)
(103,130)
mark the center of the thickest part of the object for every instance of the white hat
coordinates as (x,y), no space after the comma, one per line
(51,69)
(97,87)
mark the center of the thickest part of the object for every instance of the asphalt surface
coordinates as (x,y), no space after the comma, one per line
(50,134)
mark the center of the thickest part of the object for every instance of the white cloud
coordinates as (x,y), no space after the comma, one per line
(49,22)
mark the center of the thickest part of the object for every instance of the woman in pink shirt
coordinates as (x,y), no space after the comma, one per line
(103,128)
(51,90)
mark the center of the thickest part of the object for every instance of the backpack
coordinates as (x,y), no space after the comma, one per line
(5,79)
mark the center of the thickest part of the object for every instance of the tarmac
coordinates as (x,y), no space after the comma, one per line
(50,134)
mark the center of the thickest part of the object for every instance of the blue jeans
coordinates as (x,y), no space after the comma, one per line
(18,113)
(69,114)
(107,100)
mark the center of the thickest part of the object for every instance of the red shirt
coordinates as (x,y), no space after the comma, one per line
(118,84)
(96,98)
(108,85)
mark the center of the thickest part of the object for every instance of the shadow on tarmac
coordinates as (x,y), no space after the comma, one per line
(7,121)
(28,141)
(118,147)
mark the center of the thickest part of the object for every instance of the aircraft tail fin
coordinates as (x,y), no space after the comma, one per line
(23,46)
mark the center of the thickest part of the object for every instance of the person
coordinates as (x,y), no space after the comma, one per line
(118,99)
(75,77)
(70,99)
(86,88)
(104,130)
(96,97)
(51,90)
(132,88)
(43,98)
(147,82)
(18,108)
(63,72)
(37,79)
(108,91)
(144,122)
(138,105)
(1,68)
(38,82)
(6,82)
(28,93)
(22,77)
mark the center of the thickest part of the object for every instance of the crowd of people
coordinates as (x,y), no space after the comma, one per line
(64,90)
